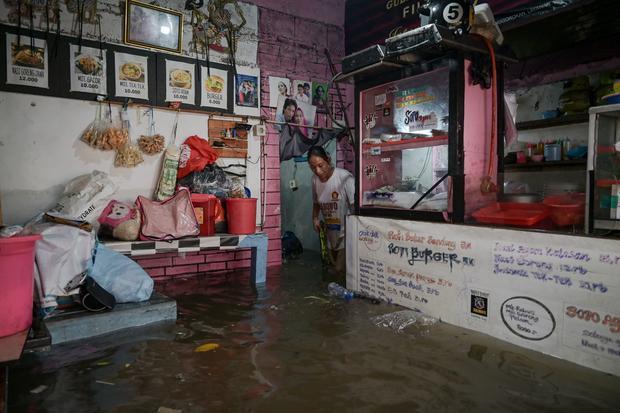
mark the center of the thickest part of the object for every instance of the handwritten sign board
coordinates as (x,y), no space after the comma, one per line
(553,293)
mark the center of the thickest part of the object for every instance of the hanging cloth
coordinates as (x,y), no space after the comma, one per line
(293,143)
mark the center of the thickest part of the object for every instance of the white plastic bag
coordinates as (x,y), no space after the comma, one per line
(62,257)
(86,196)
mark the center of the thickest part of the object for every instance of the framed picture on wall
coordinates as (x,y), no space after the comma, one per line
(247,91)
(152,26)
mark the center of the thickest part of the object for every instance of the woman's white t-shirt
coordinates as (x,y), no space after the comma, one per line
(334,197)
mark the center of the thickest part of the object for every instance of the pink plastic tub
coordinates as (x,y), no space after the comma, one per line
(16,283)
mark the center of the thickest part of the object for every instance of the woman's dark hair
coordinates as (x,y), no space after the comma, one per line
(318,151)
(288,102)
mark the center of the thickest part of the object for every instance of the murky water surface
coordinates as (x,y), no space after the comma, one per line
(289,347)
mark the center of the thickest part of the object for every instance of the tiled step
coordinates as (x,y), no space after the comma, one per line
(84,324)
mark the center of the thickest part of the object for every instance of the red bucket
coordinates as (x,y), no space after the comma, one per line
(241,215)
(204,207)
(16,283)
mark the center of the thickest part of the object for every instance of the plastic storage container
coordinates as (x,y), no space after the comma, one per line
(16,283)
(204,207)
(567,209)
(553,152)
(241,215)
(512,213)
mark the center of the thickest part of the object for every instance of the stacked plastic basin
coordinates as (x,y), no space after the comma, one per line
(16,283)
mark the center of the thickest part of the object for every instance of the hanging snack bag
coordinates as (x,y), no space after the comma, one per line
(93,134)
(128,154)
(152,143)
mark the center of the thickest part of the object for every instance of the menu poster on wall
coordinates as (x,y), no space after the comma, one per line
(131,76)
(88,70)
(27,62)
(180,82)
(214,88)
(247,91)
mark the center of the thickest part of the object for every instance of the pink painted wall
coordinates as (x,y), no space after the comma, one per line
(325,11)
(476,144)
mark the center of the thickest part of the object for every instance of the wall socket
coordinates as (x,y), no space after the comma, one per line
(293,185)
(259,130)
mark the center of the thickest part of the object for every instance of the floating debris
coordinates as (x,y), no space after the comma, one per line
(107,383)
(400,320)
(206,347)
(39,389)
(163,409)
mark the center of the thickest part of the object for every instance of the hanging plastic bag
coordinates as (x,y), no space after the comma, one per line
(114,135)
(168,176)
(128,154)
(196,153)
(152,143)
(93,134)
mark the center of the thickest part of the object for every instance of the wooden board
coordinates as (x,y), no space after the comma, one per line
(228,147)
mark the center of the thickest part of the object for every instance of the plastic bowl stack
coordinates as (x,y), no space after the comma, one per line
(566,209)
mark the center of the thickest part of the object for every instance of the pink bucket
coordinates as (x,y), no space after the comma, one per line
(16,283)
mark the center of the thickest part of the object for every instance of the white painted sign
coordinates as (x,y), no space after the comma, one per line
(131,75)
(558,294)
(180,82)
(214,88)
(88,70)
(26,62)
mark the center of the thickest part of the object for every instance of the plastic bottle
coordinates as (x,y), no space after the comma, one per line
(566,146)
(339,291)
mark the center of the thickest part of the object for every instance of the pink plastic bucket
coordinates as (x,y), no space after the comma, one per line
(241,215)
(16,283)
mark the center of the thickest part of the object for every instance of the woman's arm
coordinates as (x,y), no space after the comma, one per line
(316,208)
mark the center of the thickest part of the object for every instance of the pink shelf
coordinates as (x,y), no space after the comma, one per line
(407,144)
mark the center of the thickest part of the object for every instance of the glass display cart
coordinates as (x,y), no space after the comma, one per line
(424,133)
(603,186)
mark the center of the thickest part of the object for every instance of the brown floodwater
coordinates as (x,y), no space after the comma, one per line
(287,346)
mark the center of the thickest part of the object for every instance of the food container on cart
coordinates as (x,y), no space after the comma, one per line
(567,209)
(512,213)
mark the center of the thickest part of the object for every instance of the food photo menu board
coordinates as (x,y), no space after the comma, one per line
(215,87)
(131,76)
(64,67)
(180,82)
(88,70)
(27,61)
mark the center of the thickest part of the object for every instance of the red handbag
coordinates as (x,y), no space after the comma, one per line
(166,220)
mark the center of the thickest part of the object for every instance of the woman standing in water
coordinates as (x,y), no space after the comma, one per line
(333,191)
